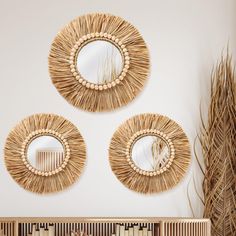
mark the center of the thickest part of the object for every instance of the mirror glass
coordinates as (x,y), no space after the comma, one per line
(150,153)
(99,62)
(45,153)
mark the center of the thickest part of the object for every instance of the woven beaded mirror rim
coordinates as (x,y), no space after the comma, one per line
(45,181)
(169,172)
(105,96)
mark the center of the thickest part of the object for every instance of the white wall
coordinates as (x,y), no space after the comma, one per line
(185,38)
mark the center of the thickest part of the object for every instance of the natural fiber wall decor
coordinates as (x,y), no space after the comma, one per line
(218,144)
(48,139)
(99,62)
(149,153)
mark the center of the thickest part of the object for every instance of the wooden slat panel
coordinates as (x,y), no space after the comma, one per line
(165,227)
(191,228)
(7,228)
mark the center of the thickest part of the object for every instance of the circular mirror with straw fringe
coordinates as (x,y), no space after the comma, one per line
(149,153)
(99,62)
(45,153)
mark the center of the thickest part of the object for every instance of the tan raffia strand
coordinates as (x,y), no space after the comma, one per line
(143,181)
(42,181)
(218,141)
(106,96)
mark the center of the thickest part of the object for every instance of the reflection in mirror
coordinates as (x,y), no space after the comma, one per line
(45,153)
(150,153)
(99,62)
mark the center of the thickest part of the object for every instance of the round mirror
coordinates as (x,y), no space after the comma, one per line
(45,153)
(99,62)
(150,153)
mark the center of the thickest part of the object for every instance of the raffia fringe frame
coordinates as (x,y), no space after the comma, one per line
(98,97)
(154,181)
(24,133)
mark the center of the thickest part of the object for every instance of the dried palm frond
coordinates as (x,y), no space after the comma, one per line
(218,142)
(23,174)
(160,153)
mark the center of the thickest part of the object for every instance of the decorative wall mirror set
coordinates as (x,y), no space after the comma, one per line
(149,153)
(98,62)
(45,153)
